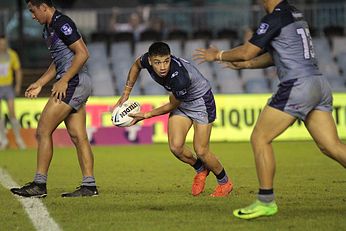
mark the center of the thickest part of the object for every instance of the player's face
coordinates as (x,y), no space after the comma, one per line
(160,64)
(38,13)
(3,45)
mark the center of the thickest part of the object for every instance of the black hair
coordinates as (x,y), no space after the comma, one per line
(39,2)
(159,49)
(2,36)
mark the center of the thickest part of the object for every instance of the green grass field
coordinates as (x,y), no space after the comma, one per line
(146,188)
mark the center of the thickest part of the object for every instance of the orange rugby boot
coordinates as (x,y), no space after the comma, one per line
(222,190)
(199,182)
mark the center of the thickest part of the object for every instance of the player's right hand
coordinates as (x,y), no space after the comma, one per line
(120,102)
(202,55)
(139,116)
(33,90)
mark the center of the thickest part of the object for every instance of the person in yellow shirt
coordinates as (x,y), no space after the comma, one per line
(9,68)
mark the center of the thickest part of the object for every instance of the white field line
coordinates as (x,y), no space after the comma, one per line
(34,207)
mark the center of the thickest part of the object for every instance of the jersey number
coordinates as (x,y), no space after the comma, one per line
(307,42)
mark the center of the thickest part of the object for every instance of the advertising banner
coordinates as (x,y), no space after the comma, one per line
(236,117)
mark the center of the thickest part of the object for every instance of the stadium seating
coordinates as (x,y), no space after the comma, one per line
(99,69)
(228,80)
(123,50)
(177,35)
(185,27)
(341,60)
(339,45)
(337,83)
(257,86)
(222,44)
(152,88)
(176,47)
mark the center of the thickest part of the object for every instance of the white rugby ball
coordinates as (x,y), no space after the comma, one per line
(120,115)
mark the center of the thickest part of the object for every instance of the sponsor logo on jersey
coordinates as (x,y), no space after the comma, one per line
(262,29)
(66,29)
(181,93)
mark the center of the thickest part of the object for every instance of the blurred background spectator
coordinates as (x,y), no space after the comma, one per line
(134,24)
(10,86)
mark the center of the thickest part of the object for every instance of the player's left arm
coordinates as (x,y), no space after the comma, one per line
(245,52)
(166,108)
(81,55)
(261,61)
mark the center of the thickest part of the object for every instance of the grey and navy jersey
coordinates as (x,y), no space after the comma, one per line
(285,35)
(184,81)
(59,34)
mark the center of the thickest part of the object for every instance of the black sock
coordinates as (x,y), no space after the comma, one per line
(266,195)
(222,177)
(198,166)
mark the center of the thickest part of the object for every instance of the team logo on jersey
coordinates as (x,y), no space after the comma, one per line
(174,74)
(262,29)
(66,29)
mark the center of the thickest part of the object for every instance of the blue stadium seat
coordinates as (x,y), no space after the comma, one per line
(121,51)
(341,60)
(99,69)
(257,86)
(337,83)
(228,80)
(154,89)
(250,74)
(176,47)
(339,45)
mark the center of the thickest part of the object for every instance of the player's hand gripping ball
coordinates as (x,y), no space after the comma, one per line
(120,115)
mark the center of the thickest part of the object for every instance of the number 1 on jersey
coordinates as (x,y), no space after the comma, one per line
(307,42)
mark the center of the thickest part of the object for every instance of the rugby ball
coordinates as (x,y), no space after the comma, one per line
(120,115)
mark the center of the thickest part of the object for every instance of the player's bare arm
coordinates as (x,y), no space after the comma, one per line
(81,56)
(130,82)
(166,108)
(244,52)
(18,75)
(262,61)
(35,88)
